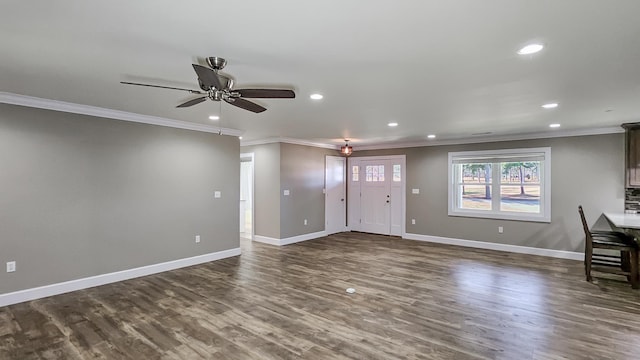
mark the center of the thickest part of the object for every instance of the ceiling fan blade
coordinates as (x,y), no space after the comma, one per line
(192,102)
(161,87)
(207,77)
(266,93)
(245,104)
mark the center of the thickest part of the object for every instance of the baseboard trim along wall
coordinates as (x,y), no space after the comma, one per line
(499,247)
(289,240)
(89,282)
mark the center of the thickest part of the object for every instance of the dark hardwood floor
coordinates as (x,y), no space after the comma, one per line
(414,300)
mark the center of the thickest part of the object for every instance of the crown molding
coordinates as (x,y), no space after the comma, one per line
(289,141)
(63,106)
(475,140)
(486,139)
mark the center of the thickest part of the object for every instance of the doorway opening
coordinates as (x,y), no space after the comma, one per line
(246,196)
(335,204)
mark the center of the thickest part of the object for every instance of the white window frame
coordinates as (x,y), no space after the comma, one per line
(545,184)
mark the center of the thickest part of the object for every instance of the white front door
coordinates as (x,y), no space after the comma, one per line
(376,195)
(335,195)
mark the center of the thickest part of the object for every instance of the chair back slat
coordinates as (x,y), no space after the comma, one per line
(585,226)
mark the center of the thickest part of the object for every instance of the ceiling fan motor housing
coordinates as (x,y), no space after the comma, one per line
(216,63)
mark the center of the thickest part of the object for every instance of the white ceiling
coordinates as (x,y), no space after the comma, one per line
(444,67)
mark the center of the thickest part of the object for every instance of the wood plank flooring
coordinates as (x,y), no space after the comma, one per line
(414,300)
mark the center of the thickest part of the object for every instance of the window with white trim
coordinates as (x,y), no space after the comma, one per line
(513,184)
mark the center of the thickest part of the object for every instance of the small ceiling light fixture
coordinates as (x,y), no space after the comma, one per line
(554,125)
(550,105)
(316,96)
(346,150)
(214,117)
(530,49)
(431,136)
(392,124)
(240,137)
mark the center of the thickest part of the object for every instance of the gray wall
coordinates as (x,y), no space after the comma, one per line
(299,169)
(84,196)
(266,197)
(587,170)
(302,173)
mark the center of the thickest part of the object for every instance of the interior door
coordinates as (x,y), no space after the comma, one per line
(375,197)
(335,195)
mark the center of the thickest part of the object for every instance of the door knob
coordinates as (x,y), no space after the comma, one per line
(341,199)
(387,201)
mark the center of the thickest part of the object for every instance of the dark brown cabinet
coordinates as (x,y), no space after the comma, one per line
(632,154)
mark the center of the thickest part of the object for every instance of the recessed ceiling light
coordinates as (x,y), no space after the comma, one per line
(214,117)
(530,49)
(431,136)
(316,96)
(240,137)
(392,124)
(550,106)
(554,125)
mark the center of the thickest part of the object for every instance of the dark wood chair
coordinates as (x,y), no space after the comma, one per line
(623,263)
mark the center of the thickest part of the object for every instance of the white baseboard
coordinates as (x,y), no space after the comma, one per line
(499,247)
(85,283)
(266,240)
(289,240)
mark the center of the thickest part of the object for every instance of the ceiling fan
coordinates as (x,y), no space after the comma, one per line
(217,87)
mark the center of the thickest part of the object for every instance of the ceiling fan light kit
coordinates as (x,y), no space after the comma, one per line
(217,87)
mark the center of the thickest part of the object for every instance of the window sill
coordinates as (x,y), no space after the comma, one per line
(501,216)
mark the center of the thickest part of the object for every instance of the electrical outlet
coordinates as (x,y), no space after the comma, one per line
(413,221)
(286,192)
(305,221)
(11,266)
(500,229)
(197,239)
(415,191)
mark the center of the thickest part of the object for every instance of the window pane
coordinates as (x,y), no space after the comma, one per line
(477,197)
(369,173)
(527,172)
(381,172)
(476,173)
(396,173)
(525,199)
(355,170)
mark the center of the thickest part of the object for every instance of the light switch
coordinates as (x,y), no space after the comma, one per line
(217,194)
(415,191)
(286,193)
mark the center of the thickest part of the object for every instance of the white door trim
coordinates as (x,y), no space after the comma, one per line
(244,156)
